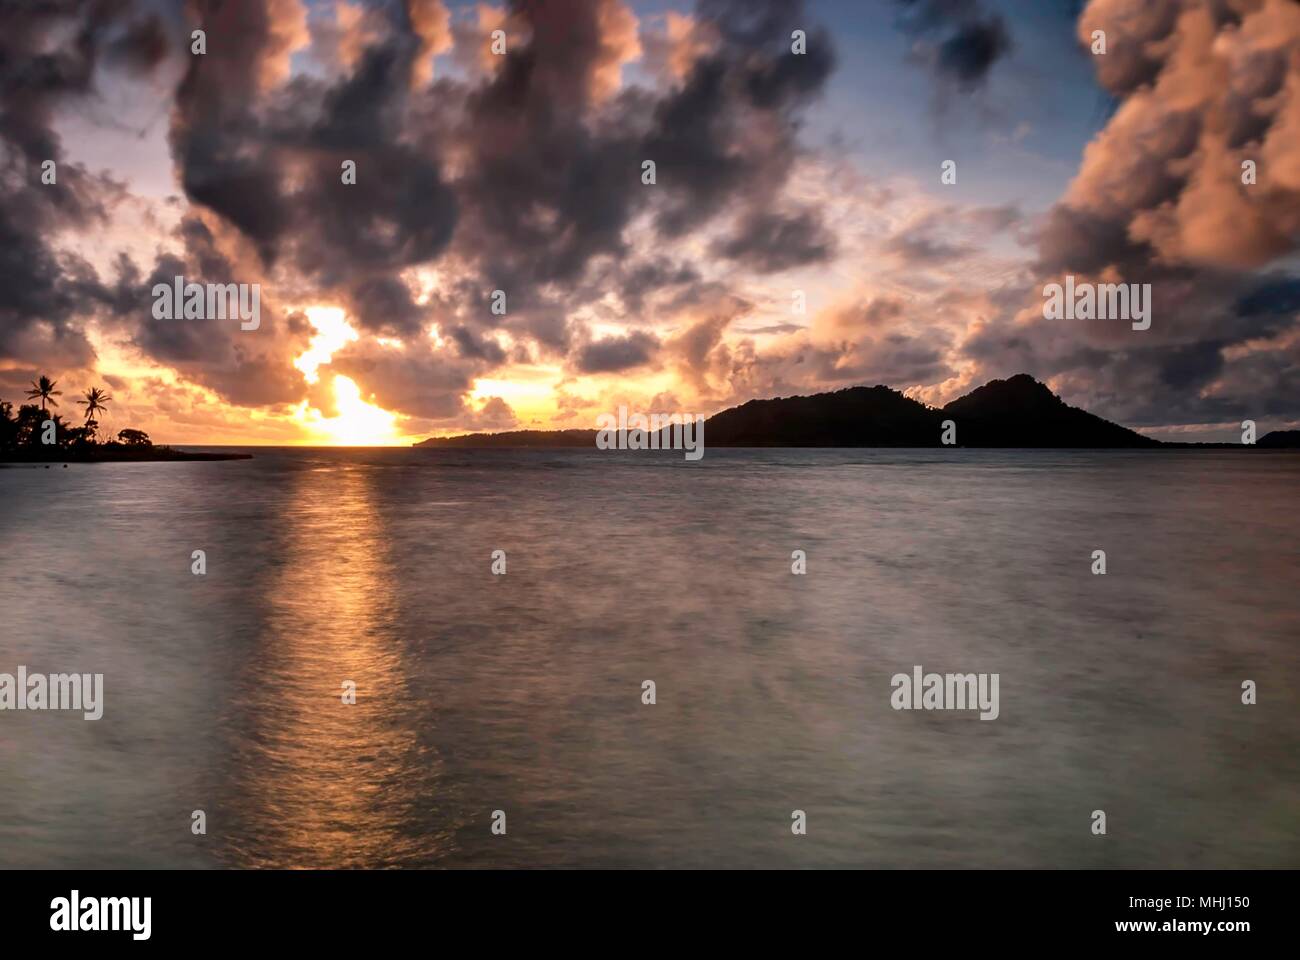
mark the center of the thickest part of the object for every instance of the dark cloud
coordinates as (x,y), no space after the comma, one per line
(270,161)
(969,54)
(771,242)
(894,358)
(217,137)
(247,367)
(141,45)
(548,162)
(641,281)
(49,53)
(960,39)
(383,305)
(549,190)
(752,84)
(614,354)
(476,347)
(1074,239)
(1278,295)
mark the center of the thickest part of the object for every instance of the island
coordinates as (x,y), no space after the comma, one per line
(1019,412)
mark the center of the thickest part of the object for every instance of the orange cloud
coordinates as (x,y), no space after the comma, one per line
(1204,96)
(432,24)
(286,33)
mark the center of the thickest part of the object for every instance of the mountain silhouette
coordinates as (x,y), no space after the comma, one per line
(1018,412)
(1277,440)
(856,417)
(1021,412)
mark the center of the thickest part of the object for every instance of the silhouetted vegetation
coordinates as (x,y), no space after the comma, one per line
(43,390)
(95,404)
(33,433)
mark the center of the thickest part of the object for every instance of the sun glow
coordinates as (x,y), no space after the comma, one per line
(357,423)
(332,333)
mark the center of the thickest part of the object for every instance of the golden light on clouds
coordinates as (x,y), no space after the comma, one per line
(356,423)
(333,333)
(530,391)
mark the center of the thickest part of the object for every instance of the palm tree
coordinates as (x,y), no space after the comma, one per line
(94,403)
(44,390)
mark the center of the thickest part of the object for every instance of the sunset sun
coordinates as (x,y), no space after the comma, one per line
(355,423)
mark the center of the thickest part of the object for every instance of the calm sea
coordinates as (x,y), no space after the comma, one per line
(523,692)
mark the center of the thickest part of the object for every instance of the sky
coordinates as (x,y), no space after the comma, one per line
(798,236)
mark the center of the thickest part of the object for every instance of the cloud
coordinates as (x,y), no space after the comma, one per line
(46,293)
(1159,198)
(770,242)
(420,381)
(476,347)
(431,22)
(383,305)
(249,368)
(615,354)
(672,49)
(480,175)
(1168,169)
(948,233)
(495,414)
(960,40)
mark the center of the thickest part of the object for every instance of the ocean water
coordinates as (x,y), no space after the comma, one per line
(523,693)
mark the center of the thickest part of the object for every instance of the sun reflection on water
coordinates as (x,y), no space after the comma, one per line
(316,782)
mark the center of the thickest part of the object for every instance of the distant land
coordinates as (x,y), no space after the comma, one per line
(1019,412)
(1281,440)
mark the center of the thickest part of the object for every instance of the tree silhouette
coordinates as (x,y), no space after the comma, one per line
(94,403)
(43,389)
